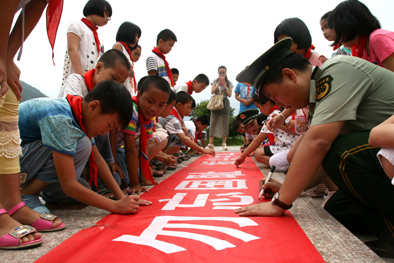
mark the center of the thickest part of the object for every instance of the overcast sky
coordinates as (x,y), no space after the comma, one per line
(210,34)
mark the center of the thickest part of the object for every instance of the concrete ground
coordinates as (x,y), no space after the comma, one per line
(334,242)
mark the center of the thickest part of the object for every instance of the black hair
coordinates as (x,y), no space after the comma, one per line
(113,98)
(297,30)
(256,98)
(351,19)
(183,97)
(97,7)
(166,35)
(235,125)
(202,78)
(111,57)
(140,82)
(172,97)
(127,32)
(204,119)
(325,16)
(261,118)
(274,75)
(157,82)
(175,71)
(226,79)
(135,47)
(193,102)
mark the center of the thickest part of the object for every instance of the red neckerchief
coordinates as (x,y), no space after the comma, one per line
(336,47)
(199,133)
(247,93)
(88,76)
(271,137)
(190,87)
(176,114)
(132,66)
(169,72)
(145,168)
(94,29)
(358,49)
(76,107)
(308,52)
(54,13)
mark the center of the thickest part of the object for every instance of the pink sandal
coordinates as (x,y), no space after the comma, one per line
(43,223)
(11,240)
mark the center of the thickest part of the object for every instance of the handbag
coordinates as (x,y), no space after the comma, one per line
(216,102)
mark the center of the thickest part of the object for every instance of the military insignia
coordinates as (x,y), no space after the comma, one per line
(323,87)
(242,116)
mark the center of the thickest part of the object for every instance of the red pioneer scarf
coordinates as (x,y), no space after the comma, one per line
(132,64)
(54,13)
(190,87)
(88,76)
(309,52)
(176,114)
(145,168)
(76,107)
(197,137)
(358,49)
(169,72)
(336,47)
(94,29)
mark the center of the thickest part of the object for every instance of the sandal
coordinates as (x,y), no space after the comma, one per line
(43,223)
(104,191)
(171,167)
(156,173)
(11,239)
(225,148)
(211,146)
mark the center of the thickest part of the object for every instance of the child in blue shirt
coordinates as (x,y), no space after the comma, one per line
(57,143)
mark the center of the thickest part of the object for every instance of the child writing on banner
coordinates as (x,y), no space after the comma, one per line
(198,84)
(284,138)
(112,65)
(196,127)
(126,39)
(152,98)
(173,124)
(156,63)
(57,143)
(83,44)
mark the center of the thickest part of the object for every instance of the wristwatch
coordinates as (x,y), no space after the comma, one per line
(275,201)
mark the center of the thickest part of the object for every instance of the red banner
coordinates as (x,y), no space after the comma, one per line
(192,219)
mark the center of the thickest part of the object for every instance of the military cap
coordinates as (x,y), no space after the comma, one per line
(246,117)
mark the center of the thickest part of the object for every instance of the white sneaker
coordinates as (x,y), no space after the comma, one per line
(225,148)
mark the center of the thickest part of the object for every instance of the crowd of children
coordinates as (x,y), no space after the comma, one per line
(105,138)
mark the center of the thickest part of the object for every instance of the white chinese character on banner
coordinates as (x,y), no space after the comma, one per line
(212,185)
(201,200)
(214,175)
(223,203)
(148,236)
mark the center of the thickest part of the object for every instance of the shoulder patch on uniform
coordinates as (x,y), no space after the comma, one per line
(323,87)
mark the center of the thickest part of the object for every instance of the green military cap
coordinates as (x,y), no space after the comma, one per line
(257,71)
(246,117)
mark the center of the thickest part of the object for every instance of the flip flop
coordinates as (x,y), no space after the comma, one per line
(43,223)
(11,239)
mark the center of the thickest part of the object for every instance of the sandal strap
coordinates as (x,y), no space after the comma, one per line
(21,231)
(3,211)
(16,208)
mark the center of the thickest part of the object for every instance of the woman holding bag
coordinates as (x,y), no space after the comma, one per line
(220,118)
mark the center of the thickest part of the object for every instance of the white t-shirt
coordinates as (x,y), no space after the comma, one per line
(87,49)
(129,83)
(181,87)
